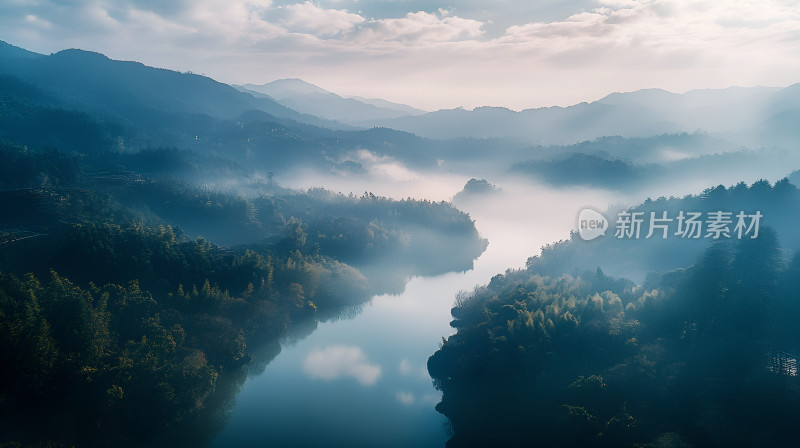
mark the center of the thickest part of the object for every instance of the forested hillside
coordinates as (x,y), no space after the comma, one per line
(702,356)
(106,297)
(132,283)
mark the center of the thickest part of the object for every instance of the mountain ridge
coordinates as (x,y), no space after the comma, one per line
(311,99)
(753,111)
(93,82)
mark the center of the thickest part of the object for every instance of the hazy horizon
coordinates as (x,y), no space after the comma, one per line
(433,55)
(358,96)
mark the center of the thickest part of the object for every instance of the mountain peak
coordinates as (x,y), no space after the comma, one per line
(76,53)
(636,96)
(283,88)
(305,97)
(498,109)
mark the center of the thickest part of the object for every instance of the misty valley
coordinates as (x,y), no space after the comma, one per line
(189,263)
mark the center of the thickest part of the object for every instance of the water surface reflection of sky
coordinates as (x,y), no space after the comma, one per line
(363,382)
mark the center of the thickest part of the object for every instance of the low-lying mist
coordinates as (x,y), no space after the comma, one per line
(522,214)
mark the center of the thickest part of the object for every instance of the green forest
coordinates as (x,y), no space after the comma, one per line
(702,356)
(152,259)
(135,293)
(104,303)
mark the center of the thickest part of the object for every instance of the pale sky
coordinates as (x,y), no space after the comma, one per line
(433,55)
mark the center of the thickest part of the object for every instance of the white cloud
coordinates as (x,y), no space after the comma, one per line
(309,18)
(622,3)
(340,361)
(655,38)
(662,24)
(36,21)
(420,27)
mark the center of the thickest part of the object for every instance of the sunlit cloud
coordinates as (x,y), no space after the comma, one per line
(420,27)
(341,361)
(709,32)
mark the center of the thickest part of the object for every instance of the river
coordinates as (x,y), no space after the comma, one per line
(362,381)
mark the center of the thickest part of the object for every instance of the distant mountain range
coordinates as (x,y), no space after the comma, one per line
(749,115)
(754,115)
(84,102)
(94,83)
(91,82)
(310,99)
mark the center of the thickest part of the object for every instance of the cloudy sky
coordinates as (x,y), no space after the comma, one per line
(430,54)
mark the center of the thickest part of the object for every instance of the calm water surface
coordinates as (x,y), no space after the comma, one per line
(362,381)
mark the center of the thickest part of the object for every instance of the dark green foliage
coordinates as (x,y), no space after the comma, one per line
(139,323)
(21,168)
(144,351)
(369,230)
(54,191)
(704,356)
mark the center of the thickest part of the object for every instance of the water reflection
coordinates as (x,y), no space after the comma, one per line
(357,376)
(363,381)
(406,398)
(340,361)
